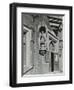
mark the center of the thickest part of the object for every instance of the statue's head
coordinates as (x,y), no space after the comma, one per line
(42,29)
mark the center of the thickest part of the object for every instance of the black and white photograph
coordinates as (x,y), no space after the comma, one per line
(40,44)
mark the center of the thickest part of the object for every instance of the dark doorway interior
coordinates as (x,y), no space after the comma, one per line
(52,62)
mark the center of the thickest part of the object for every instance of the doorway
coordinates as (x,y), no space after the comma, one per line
(52,62)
